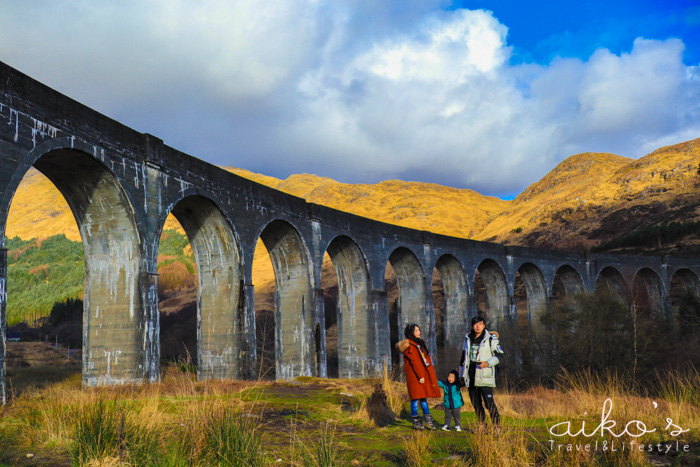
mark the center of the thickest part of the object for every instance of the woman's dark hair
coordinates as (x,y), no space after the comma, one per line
(408,332)
(477,319)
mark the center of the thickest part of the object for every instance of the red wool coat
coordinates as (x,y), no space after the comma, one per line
(415,369)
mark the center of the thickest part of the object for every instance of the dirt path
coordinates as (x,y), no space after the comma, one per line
(37,354)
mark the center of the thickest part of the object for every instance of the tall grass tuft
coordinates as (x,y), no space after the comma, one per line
(417,449)
(231,439)
(104,431)
(327,452)
(396,397)
(98,433)
(510,447)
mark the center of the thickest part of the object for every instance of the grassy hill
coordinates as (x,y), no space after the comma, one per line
(592,198)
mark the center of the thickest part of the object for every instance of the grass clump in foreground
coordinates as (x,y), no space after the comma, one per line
(322,422)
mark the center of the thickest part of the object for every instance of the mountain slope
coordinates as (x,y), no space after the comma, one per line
(590,198)
(423,206)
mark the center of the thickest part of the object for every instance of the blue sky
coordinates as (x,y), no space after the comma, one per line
(540,31)
(486,95)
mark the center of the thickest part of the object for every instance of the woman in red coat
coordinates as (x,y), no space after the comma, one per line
(420,375)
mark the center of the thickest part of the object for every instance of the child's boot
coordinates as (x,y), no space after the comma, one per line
(417,425)
(428,419)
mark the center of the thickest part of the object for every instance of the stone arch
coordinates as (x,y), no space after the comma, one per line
(684,290)
(610,280)
(220,313)
(412,294)
(119,344)
(295,343)
(566,282)
(496,297)
(648,293)
(536,289)
(356,326)
(456,300)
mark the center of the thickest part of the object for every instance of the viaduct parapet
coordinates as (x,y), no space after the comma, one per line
(121,185)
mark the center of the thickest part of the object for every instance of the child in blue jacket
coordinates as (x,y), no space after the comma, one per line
(453,401)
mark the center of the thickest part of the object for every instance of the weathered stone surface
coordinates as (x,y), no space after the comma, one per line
(121,185)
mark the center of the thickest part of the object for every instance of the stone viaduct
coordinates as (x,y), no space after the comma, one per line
(121,185)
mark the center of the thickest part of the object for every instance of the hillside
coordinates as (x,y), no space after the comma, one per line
(591,198)
(423,206)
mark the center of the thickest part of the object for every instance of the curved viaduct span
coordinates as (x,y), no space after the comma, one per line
(121,185)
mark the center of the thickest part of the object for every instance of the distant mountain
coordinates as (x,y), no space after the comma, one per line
(592,198)
(423,206)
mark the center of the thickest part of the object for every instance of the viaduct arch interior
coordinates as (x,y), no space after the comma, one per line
(491,291)
(113,263)
(296,332)
(648,294)
(411,302)
(220,316)
(610,281)
(356,327)
(530,297)
(684,294)
(567,282)
(451,309)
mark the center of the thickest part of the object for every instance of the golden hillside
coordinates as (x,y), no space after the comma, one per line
(590,198)
(423,206)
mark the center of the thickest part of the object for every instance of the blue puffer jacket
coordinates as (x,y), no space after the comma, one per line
(453,396)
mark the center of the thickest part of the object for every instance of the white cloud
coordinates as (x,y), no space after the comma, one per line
(358,91)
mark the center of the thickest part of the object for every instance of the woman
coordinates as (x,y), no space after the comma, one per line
(420,375)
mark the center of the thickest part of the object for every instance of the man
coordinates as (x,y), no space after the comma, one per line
(479,358)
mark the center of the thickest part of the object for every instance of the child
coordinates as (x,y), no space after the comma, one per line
(453,401)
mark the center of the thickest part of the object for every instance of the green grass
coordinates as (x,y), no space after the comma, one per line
(305,424)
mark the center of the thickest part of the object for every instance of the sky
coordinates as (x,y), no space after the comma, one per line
(488,95)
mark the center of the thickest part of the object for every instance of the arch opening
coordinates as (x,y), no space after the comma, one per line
(410,305)
(567,282)
(648,294)
(329,284)
(356,330)
(177,297)
(116,327)
(611,282)
(44,299)
(685,301)
(295,344)
(451,308)
(220,314)
(491,291)
(530,296)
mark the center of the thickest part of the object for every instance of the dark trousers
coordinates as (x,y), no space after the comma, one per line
(453,413)
(477,394)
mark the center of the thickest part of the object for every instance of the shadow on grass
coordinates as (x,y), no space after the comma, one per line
(20,380)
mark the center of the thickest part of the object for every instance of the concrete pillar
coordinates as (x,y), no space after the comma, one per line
(3,320)
(151,335)
(319,347)
(382,336)
(248,352)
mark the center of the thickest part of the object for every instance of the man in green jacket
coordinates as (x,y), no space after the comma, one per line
(479,358)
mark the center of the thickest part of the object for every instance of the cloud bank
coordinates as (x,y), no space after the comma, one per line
(352,90)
